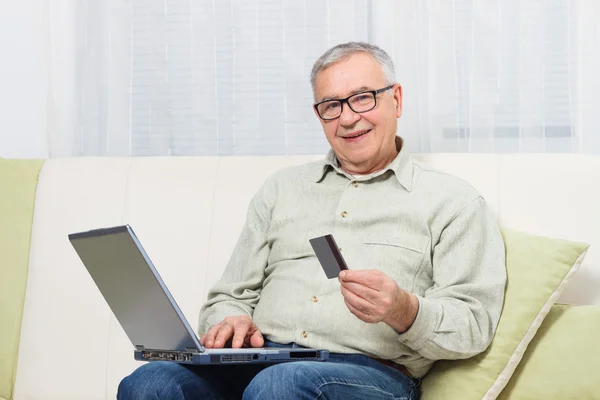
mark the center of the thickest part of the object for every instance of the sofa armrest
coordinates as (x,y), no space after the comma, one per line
(18,182)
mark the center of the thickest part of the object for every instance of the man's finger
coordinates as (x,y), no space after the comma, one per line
(370,278)
(354,311)
(239,334)
(257,340)
(356,302)
(362,291)
(223,336)
(363,316)
(209,338)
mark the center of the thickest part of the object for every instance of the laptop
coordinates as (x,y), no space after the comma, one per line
(149,315)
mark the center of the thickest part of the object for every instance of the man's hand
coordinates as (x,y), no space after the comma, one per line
(374,297)
(240,328)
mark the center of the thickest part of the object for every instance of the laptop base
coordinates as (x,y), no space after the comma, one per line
(233,356)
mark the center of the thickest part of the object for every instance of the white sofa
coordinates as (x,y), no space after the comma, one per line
(188,213)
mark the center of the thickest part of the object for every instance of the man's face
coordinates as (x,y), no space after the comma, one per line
(374,147)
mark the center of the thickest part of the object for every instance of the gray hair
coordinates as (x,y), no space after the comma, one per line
(343,51)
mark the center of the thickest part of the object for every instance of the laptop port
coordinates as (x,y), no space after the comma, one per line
(166,356)
(303,354)
(235,358)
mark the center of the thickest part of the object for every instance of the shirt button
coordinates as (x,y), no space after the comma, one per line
(314,299)
(355,184)
(304,334)
(344,214)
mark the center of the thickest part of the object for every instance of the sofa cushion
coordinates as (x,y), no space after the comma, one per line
(18,182)
(537,271)
(562,359)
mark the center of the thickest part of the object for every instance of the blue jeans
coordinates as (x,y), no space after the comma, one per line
(344,376)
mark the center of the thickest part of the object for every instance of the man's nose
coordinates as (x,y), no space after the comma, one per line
(348,117)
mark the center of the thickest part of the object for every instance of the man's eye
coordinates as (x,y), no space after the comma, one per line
(362,97)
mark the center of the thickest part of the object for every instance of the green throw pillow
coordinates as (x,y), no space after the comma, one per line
(537,271)
(563,359)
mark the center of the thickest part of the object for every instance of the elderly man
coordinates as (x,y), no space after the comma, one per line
(427,262)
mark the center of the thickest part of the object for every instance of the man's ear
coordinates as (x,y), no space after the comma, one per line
(397,89)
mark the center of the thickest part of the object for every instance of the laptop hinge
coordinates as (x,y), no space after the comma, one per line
(191,349)
(139,347)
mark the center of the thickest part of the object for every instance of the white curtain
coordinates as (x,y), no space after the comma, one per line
(224,77)
(191,77)
(495,75)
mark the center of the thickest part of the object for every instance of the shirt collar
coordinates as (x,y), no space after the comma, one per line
(401,166)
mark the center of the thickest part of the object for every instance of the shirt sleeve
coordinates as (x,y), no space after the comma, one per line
(458,315)
(238,290)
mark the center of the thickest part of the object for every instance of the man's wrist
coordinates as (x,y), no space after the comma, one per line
(404,311)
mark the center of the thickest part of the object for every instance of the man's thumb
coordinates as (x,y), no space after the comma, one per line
(256,340)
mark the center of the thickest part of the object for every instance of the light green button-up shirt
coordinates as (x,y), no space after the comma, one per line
(430,231)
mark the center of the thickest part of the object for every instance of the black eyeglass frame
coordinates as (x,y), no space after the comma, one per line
(342,101)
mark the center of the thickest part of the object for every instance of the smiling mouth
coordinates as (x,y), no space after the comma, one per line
(357,135)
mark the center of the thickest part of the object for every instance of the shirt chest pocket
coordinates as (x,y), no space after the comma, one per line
(399,256)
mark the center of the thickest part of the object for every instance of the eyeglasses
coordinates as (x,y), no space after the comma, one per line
(359,103)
